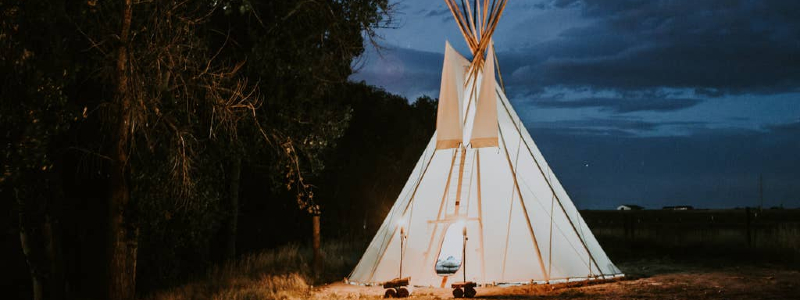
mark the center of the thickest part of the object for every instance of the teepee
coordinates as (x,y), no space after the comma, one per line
(481,204)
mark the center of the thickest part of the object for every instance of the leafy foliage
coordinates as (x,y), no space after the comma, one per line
(300,52)
(207,83)
(36,78)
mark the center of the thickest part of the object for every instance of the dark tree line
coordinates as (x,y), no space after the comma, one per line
(134,131)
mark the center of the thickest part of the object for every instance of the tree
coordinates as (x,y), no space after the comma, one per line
(163,89)
(372,163)
(36,75)
(300,52)
(167,93)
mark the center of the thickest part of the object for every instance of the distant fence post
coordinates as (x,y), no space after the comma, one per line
(747,227)
(629,223)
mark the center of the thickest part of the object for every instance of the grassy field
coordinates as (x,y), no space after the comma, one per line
(284,273)
(702,254)
(647,279)
(769,230)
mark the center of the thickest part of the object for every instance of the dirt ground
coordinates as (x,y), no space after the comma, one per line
(646,279)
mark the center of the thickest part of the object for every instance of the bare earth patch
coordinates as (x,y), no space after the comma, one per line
(647,279)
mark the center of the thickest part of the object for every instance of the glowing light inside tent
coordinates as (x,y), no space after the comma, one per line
(451,254)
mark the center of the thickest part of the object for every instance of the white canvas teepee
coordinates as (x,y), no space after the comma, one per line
(481,177)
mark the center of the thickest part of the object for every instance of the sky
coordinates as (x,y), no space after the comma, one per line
(647,102)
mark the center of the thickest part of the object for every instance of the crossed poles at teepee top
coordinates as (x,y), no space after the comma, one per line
(477,23)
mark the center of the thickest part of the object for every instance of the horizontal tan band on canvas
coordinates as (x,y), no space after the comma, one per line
(447,144)
(484,142)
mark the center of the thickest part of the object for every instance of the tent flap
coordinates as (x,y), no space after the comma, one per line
(451,94)
(484,132)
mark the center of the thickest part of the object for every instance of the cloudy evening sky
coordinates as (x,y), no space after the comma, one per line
(645,102)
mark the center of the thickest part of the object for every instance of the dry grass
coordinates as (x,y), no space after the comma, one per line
(283,273)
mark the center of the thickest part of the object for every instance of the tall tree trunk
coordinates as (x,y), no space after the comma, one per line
(123,231)
(28,233)
(53,236)
(315,244)
(39,234)
(235,175)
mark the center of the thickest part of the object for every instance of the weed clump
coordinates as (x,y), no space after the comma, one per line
(282,273)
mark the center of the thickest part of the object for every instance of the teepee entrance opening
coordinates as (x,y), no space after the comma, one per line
(450,256)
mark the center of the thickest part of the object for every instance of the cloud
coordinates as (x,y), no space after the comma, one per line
(791,127)
(613,124)
(618,127)
(620,105)
(436,13)
(651,102)
(408,72)
(568,131)
(565,3)
(708,168)
(715,47)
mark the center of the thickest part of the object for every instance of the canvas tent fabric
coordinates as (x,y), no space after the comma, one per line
(481,176)
(521,224)
(484,132)
(451,98)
